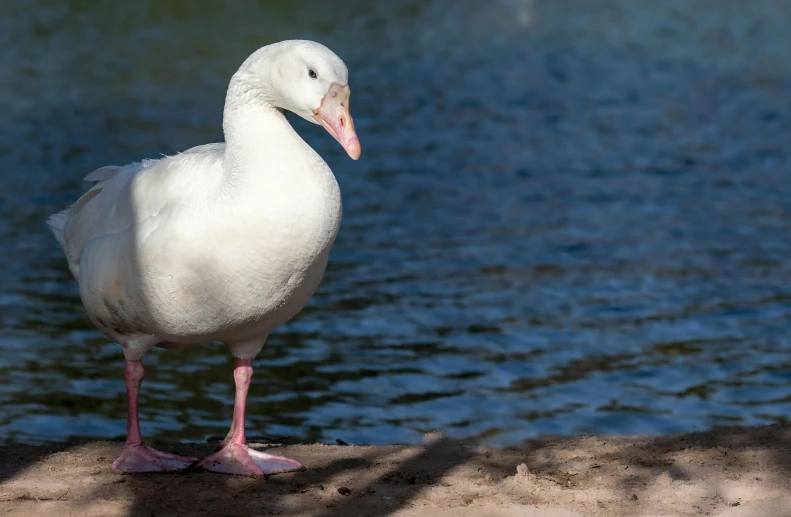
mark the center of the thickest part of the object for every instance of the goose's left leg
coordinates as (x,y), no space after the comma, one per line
(235,457)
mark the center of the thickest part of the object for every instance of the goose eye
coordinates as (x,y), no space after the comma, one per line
(312,74)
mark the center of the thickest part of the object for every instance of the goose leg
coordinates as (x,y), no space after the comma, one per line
(137,456)
(235,457)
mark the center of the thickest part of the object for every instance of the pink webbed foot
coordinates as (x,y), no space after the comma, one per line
(142,458)
(240,459)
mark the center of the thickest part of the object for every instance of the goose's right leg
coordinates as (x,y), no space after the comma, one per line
(137,456)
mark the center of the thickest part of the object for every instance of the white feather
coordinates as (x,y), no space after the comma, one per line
(220,242)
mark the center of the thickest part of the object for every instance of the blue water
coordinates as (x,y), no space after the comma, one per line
(567,217)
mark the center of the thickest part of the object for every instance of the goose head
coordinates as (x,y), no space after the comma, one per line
(311,81)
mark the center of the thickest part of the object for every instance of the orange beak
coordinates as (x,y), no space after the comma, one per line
(334,116)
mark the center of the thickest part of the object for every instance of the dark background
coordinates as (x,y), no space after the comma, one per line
(569,216)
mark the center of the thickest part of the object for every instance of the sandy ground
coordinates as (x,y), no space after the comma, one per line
(733,472)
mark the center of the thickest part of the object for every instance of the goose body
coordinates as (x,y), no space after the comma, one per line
(165,255)
(222,242)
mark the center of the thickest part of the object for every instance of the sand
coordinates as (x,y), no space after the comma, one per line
(731,472)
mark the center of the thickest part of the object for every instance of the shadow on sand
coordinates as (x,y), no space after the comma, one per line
(688,474)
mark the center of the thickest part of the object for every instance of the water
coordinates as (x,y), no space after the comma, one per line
(569,216)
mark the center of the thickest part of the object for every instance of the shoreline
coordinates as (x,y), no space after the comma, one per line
(725,472)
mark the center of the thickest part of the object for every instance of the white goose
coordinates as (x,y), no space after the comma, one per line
(223,242)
